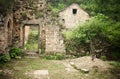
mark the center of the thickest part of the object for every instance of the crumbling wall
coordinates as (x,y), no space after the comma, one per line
(54,40)
(11,29)
(2,36)
(6,28)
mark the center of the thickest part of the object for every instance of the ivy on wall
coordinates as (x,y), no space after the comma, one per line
(6,6)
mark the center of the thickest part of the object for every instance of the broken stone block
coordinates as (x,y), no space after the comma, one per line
(41,74)
(1,52)
(85,70)
(72,63)
(1,71)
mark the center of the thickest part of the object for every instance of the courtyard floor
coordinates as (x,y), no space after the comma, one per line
(40,68)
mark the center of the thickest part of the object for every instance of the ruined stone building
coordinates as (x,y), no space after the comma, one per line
(73,16)
(14,26)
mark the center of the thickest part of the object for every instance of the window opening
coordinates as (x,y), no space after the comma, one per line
(74,11)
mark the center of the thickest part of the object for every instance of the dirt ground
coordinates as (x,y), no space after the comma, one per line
(78,68)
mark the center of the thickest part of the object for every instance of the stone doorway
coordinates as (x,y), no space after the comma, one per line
(31,38)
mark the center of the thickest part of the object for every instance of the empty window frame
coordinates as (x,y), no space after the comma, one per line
(74,11)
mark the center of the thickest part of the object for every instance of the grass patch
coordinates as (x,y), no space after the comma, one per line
(56,70)
(115,64)
(57,56)
(27,65)
(32,43)
(104,58)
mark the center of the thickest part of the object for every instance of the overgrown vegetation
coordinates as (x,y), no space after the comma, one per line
(100,36)
(6,6)
(57,70)
(57,56)
(4,58)
(104,58)
(39,15)
(14,52)
(109,8)
(32,43)
(116,64)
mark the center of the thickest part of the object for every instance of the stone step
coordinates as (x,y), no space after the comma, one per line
(31,54)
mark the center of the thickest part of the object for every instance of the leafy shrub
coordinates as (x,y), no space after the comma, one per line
(57,56)
(115,64)
(43,50)
(27,46)
(104,58)
(39,14)
(49,57)
(4,58)
(14,52)
(98,33)
(32,42)
(24,15)
(115,55)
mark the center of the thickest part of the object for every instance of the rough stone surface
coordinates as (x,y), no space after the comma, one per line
(85,70)
(86,64)
(6,34)
(37,14)
(68,67)
(73,19)
(1,71)
(54,40)
(39,74)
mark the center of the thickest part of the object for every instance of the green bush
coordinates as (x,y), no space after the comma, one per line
(14,52)
(104,58)
(4,58)
(43,50)
(49,57)
(98,33)
(115,55)
(27,46)
(57,56)
(115,64)
(39,14)
(32,43)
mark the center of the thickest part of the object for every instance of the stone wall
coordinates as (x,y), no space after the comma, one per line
(6,29)
(3,43)
(50,37)
(27,31)
(73,16)
(54,40)
(12,28)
